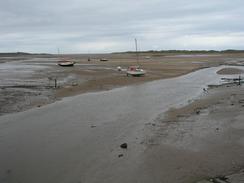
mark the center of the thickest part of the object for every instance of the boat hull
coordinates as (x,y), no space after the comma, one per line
(66,63)
(136,73)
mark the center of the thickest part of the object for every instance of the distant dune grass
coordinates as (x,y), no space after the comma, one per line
(188,51)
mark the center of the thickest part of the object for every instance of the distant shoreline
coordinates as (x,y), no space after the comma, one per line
(228,51)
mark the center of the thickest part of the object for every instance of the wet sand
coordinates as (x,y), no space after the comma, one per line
(201,140)
(230,71)
(22,89)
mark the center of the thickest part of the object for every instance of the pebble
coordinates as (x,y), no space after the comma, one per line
(124,146)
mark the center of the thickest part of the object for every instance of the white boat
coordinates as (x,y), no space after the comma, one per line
(135,71)
(66,63)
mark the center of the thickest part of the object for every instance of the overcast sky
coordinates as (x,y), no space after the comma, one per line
(89,26)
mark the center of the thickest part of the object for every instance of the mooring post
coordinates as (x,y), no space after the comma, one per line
(55,83)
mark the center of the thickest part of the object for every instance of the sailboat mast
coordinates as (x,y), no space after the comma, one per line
(137,56)
(59,57)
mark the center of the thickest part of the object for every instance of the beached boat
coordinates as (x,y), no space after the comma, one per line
(135,70)
(103,60)
(66,63)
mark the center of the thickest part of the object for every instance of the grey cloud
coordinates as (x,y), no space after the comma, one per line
(42,26)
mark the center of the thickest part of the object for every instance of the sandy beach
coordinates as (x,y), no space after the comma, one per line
(174,130)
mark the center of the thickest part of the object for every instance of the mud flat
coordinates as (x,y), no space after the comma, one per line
(79,139)
(230,71)
(27,80)
(202,142)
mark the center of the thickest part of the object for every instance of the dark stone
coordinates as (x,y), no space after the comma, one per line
(120,155)
(124,146)
(198,112)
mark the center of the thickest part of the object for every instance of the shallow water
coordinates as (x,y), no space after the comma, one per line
(78,138)
(13,73)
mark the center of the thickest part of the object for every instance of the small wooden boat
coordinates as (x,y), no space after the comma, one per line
(66,63)
(103,60)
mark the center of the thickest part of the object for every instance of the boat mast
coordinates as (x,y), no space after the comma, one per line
(58,53)
(137,56)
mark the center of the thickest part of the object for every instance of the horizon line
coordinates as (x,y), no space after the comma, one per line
(144,51)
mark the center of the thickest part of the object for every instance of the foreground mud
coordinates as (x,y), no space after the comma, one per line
(127,135)
(237,177)
(204,140)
